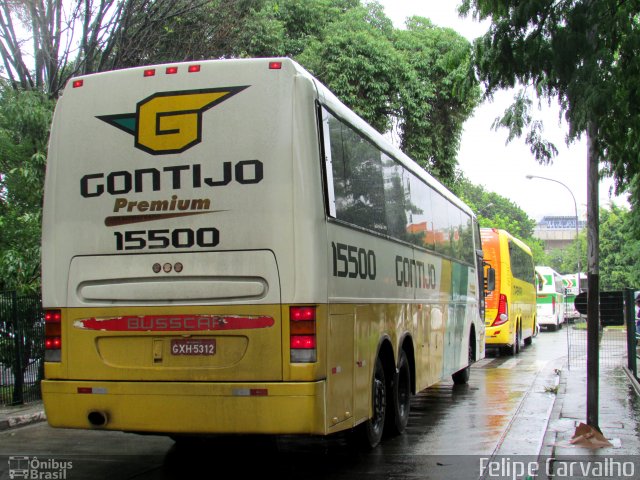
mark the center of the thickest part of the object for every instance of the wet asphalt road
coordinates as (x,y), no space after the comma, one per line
(502,411)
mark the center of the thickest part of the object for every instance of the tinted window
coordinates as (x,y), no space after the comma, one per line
(372,190)
(521,263)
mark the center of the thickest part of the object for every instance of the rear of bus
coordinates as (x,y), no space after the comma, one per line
(550,296)
(510,313)
(184,263)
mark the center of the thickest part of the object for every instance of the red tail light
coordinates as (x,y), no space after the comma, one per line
(302,331)
(553,304)
(52,335)
(503,311)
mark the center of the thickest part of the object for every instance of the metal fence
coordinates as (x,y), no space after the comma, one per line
(616,343)
(21,347)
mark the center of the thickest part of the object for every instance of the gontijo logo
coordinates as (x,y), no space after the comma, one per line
(170,122)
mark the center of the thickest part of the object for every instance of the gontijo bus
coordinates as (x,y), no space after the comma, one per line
(227,248)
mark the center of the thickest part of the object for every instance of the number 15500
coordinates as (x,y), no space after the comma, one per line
(177,238)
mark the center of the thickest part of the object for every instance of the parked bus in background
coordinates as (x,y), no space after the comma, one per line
(510,310)
(551,305)
(571,289)
(227,248)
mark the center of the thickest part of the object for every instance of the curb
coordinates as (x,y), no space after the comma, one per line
(549,440)
(20,420)
(633,380)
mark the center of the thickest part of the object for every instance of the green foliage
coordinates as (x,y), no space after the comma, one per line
(619,250)
(565,260)
(356,59)
(496,211)
(584,54)
(417,81)
(25,117)
(437,95)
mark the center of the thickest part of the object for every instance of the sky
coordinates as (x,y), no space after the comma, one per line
(484,156)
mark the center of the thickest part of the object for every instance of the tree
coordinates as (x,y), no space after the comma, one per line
(565,260)
(585,55)
(416,81)
(24,130)
(356,59)
(619,250)
(496,211)
(113,34)
(438,97)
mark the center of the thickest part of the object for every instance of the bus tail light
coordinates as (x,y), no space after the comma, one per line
(302,328)
(52,335)
(503,311)
(553,304)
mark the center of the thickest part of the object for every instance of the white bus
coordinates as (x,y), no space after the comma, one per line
(550,298)
(227,248)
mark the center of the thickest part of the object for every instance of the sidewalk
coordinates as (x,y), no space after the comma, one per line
(618,418)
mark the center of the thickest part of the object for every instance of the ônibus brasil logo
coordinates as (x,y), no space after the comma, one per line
(170,122)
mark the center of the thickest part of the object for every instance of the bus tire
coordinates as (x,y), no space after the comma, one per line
(514,349)
(461,377)
(529,340)
(401,398)
(369,433)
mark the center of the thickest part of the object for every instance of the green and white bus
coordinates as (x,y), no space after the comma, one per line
(550,298)
(227,248)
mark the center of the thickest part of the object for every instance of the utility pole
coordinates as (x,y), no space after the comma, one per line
(593,280)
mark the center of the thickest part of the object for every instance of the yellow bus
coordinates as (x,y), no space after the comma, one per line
(229,249)
(510,315)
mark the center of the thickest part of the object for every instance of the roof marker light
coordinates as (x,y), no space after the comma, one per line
(78,83)
(193,68)
(149,72)
(171,70)
(275,65)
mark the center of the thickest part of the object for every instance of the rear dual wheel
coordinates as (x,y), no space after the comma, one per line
(390,402)
(371,431)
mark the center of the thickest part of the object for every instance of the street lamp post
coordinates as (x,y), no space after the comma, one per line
(575,206)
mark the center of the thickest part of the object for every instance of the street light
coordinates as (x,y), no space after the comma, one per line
(575,206)
(484,209)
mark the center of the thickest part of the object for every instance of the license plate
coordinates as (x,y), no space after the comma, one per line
(192,346)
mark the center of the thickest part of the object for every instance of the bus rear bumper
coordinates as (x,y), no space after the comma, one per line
(187,408)
(500,336)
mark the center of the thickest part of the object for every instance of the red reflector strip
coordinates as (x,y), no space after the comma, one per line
(193,68)
(275,65)
(171,70)
(78,83)
(92,390)
(173,323)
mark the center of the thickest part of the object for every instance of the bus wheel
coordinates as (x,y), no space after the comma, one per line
(370,432)
(515,348)
(401,397)
(461,377)
(529,340)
